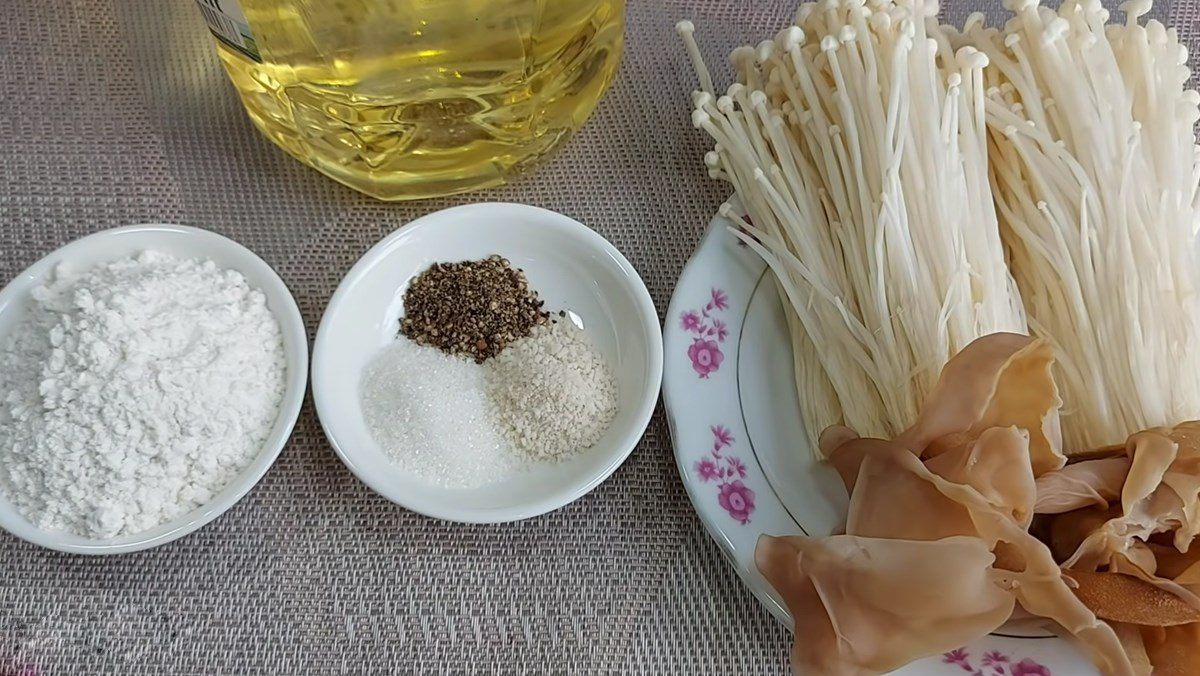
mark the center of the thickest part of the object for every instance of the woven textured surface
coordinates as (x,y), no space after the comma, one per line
(117,112)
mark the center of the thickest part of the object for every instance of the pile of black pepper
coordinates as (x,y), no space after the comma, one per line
(473,308)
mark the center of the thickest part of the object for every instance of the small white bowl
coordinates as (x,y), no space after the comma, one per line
(571,268)
(184,242)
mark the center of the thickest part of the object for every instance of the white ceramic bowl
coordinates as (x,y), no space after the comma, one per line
(185,242)
(571,267)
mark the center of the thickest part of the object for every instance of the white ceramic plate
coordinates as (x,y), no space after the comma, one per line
(571,267)
(732,408)
(184,242)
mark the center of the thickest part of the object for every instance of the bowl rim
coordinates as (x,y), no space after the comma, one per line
(541,503)
(295,341)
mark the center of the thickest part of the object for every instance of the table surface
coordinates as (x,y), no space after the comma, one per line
(117,111)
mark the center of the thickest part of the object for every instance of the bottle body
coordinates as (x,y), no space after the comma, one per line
(404,99)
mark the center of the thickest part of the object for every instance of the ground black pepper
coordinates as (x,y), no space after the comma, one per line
(473,308)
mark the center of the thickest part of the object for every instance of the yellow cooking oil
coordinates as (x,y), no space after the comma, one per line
(405,99)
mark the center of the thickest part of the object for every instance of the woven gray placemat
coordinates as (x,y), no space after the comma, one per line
(115,112)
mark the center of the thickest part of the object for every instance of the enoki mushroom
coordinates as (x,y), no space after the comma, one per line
(856,141)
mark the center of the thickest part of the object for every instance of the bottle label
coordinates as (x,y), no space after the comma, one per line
(227,22)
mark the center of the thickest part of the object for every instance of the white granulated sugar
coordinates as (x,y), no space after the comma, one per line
(553,393)
(429,411)
(133,392)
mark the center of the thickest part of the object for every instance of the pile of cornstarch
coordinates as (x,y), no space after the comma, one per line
(484,385)
(134,391)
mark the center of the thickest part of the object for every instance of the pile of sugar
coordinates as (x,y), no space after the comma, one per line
(459,424)
(428,410)
(133,392)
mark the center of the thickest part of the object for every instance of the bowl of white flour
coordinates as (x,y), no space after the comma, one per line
(150,375)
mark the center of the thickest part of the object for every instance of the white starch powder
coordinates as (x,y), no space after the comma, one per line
(134,392)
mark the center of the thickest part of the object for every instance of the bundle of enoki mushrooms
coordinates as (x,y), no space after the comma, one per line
(858,147)
(924,196)
(1094,171)
(970,519)
(914,187)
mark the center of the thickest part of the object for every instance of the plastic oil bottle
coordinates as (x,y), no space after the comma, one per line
(404,99)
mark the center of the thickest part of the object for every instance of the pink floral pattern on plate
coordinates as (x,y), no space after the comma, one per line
(708,332)
(727,472)
(995,663)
